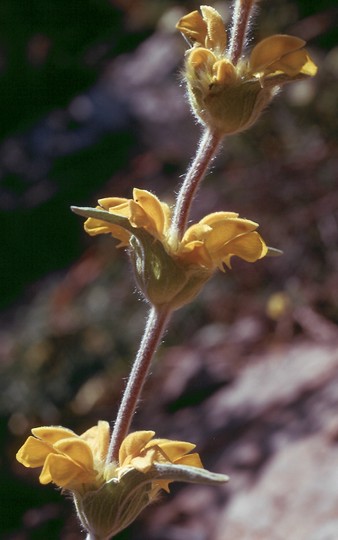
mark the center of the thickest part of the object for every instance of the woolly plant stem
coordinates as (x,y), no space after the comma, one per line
(153,332)
(158,317)
(207,149)
(240,26)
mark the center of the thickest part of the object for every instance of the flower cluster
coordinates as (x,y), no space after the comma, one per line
(209,244)
(108,496)
(77,462)
(229,97)
(168,270)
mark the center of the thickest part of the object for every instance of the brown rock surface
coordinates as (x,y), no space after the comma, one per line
(274,430)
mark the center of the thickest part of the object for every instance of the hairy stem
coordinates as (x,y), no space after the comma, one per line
(240,26)
(154,329)
(206,151)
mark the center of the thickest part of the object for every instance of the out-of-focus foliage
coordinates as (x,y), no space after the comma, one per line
(59,140)
(50,51)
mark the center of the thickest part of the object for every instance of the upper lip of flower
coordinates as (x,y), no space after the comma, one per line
(143,211)
(206,30)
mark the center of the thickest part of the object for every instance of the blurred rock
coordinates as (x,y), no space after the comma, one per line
(296,497)
(273,429)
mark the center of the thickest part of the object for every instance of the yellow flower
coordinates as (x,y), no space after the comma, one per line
(171,271)
(229,97)
(218,237)
(143,211)
(108,497)
(208,244)
(67,459)
(140,451)
(71,461)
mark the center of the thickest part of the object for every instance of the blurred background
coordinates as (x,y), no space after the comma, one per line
(92,104)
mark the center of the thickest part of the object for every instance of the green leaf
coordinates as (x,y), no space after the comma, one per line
(274,252)
(97,213)
(186,473)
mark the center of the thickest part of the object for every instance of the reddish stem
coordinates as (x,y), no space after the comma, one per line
(153,332)
(206,151)
(240,26)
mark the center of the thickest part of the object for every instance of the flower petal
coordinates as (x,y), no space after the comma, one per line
(309,68)
(271,49)
(161,484)
(294,63)
(198,231)
(224,231)
(192,249)
(144,463)
(33,452)
(115,204)
(97,437)
(133,444)
(217,36)
(193,27)
(138,217)
(77,450)
(196,253)
(52,434)
(173,450)
(64,472)
(192,460)
(215,217)
(249,247)
(202,59)
(224,72)
(93,227)
(154,210)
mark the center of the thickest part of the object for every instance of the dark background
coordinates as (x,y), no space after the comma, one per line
(92,105)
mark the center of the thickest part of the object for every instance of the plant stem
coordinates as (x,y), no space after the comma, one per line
(154,329)
(207,149)
(240,25)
